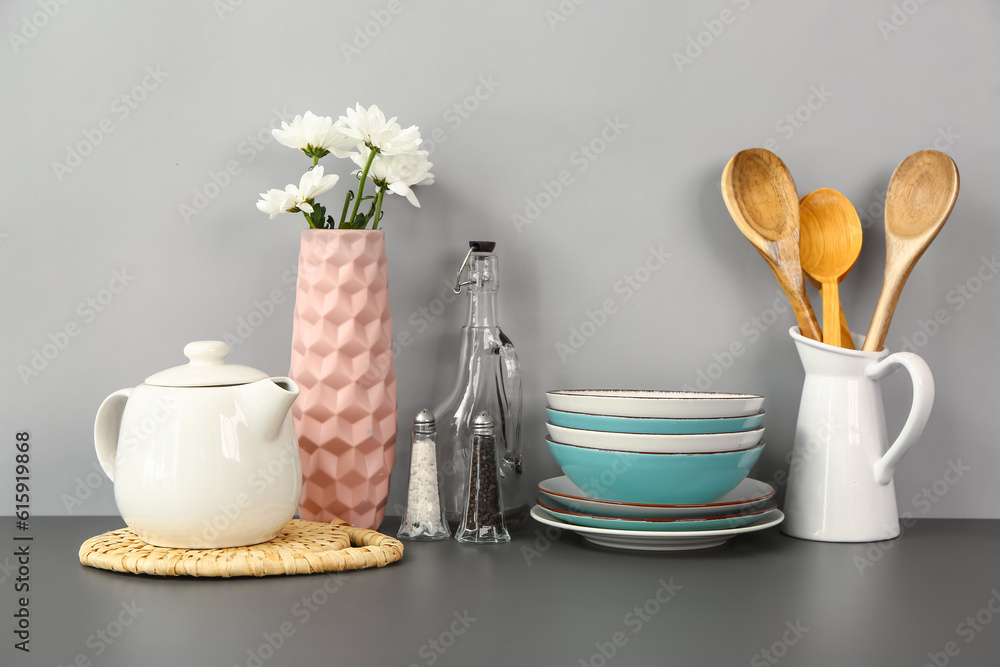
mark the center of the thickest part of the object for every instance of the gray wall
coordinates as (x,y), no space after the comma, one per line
(164,95)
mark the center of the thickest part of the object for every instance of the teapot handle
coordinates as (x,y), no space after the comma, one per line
(920,410)
(106,428)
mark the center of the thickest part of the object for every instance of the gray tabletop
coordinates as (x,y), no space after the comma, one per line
(929,597)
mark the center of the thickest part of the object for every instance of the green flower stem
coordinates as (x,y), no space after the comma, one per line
(347,201)
(378,206)
(309,217)
(361,186)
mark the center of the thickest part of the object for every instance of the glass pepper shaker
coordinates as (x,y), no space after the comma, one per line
(489,379)
(424,517)
(482,520)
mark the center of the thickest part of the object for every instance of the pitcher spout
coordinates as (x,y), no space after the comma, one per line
(267,402)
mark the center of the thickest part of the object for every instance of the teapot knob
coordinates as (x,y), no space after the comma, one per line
(206,351)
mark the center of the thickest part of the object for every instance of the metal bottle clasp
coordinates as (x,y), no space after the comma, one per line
(474,246)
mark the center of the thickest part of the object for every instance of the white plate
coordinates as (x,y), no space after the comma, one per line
(676,404)
(747,497)
(648,540)
(656,444)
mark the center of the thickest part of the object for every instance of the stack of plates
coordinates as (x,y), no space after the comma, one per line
(656,470)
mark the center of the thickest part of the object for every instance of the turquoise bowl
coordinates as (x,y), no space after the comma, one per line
(653,425)
(641,477)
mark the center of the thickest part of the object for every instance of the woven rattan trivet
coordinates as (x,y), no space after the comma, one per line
(302,547)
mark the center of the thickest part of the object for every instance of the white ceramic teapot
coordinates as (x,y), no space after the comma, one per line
(203,455)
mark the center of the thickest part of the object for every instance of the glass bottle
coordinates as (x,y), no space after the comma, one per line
(482,519)
(489,379)
(424,517)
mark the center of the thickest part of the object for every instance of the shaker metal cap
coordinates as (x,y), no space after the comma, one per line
(424,422)
(482,424)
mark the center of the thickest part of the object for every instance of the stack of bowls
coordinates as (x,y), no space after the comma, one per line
(655,460)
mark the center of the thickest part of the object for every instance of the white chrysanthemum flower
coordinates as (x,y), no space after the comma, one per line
(315,136)
(312,184)
(275,201)
(399,172)
(369,127)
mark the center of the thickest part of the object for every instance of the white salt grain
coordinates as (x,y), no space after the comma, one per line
(423,501)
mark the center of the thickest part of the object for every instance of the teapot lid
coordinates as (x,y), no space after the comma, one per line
(206,368)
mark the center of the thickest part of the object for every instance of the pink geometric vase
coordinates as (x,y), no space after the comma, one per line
(345,415)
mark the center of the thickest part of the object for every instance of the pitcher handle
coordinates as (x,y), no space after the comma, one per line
(920,410)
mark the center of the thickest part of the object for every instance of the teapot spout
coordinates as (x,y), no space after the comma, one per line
(267,402)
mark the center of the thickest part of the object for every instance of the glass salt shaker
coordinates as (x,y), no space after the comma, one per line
(482,520)
(424,517)
(489,379)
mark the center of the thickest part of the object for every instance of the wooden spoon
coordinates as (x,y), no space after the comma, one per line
(846,340)
(760,195)
(830,245)
(922,192)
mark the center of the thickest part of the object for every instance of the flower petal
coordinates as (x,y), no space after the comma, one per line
(403,189)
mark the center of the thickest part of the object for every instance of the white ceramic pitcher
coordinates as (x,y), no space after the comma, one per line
(840,481)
